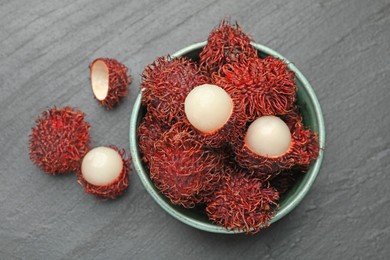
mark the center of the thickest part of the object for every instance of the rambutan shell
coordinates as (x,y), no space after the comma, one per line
(110,81)
(149,132)
(258,86)
(226,44)
(182,169)
(285,180)
(243,203)
(59,140)
(166,83)
(116,188)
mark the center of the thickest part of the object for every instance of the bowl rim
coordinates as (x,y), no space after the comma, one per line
(137,162)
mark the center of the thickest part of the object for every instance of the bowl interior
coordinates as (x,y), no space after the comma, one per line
(312,116)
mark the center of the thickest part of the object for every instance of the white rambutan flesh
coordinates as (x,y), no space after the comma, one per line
(208,108)
(101,166)
(100,79)
(268,136)
(110,81)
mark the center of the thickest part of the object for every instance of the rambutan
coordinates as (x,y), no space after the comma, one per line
(166,83)
(59,140)
(226,44)
(210,110)
(149,132)
(300,150)
(259,87)
(110,81)
(104,172)
(308,148)
(285,180)
(243,203)
(182,169)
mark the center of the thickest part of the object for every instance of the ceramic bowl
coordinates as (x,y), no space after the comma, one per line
(312,116)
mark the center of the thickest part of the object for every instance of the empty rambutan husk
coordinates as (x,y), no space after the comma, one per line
(243,203)
(113,189)
(110,81)
(182,169)
(304,149)
(59,140)
(259,87)
(226,44)
(166,83)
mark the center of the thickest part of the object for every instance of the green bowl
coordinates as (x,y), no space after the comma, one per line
(312,115)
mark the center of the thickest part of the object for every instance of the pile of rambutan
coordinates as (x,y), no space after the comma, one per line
(59,142)
(224,132)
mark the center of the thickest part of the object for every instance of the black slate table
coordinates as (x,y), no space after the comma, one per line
(342,47)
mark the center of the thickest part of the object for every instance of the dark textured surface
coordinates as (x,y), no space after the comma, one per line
(343,47)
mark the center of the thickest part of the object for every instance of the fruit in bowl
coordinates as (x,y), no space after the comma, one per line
(226,135)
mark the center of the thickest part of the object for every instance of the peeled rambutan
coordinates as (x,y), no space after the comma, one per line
(259,86)
(243,203)
(182,169)
(104,172)
(210,110)
(59,140)
(226,44)
(149,132)
(166,83)
(299,151)
(110,81)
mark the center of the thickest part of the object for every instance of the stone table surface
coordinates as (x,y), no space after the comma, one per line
(343,48)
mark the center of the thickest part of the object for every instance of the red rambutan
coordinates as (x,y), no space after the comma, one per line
(243,203)
(59,140)
(210,110)
(259,87)
(149,132)
(299,151)
(226,44)
(285,180)
(166,83)
(308,148)
(182,169)
(110,81)
(104,172)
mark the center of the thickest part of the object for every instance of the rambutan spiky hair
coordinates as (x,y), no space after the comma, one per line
(182,169)
(59,140)
(243,203)
(166,83)
(259,87)
(226,44)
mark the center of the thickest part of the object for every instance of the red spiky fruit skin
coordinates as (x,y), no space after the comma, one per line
(219,137)
(285,180)
(303,150)
(149,132)
(116,188)
(258,87)
(243,203)
(226,44)
(165,85)
(182,169)
(118,82)
(59,140)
